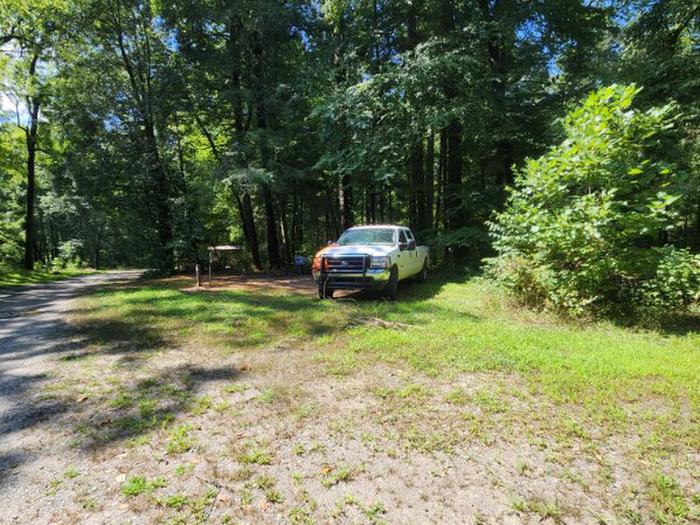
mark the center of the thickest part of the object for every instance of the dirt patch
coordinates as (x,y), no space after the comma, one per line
(298,284)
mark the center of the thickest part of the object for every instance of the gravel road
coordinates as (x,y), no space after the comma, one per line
(33,335)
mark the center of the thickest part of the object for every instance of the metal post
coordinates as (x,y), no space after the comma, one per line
(197,273)
(209,267)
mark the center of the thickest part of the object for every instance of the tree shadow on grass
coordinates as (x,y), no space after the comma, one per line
(152,403)
(671,324)
(9,460)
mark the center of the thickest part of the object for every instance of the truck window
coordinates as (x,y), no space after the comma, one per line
(409,235)
(367,236)
(402,236)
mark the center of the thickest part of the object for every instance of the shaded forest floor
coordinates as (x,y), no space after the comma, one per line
(254,402)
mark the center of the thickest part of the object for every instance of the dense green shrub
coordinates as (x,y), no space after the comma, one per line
(587,227)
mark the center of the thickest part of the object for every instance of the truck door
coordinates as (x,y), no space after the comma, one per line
(415,265)
(404,256)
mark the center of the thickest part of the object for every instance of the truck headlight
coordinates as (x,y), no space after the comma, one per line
(379,262)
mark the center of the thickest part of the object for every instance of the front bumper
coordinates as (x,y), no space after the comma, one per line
(369,279)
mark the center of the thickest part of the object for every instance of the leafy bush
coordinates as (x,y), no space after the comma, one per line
(586,228)
(69,253)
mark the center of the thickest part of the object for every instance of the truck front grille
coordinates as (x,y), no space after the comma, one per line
(347,263)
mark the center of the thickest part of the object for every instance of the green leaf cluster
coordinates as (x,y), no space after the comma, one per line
(588,226)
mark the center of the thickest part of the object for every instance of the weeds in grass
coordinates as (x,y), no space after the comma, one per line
(669,506)
(246,496)
(255,453)
(183,469)
(138,485)
(234,388)
(457,396)
(299,516)
(71,473)
(332,476)
(273,496)
(180,439)
(176,501)
(543,508)
(269,395)
(490,402)
(201,405)
(600,370)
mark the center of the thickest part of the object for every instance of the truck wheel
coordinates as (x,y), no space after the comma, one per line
(423,275)
(325,293)
(392,287)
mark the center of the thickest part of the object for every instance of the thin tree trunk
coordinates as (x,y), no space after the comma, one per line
(31,134)
(161,196)
(345,202)
(417,187)
(442,161)
(250,232)
(273,247)
(98,245)
(453,180)
(428,180)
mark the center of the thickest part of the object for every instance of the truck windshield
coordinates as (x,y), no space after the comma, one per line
(367,236)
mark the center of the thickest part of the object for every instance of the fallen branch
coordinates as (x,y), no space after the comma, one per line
(376,321)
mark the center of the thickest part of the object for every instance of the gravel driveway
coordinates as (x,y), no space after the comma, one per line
(32,337)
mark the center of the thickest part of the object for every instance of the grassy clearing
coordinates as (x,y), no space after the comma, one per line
(14,277)
(445,328)
(468,369)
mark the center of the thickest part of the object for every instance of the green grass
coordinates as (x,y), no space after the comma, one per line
(160,312)
(583,380)
(443,327)
(14,277)
(469,327)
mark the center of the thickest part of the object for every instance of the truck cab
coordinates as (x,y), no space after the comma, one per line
(374,257)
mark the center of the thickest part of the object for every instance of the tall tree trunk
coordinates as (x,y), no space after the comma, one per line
(243,203)
(697,227)
(249,231)
(453,181)
(454,214)
(161,196)
(345,201)
(31,134)
(98,245)
(442,161)
(417,198)
(139,74)
(273,247)
(428,181)
(498,57)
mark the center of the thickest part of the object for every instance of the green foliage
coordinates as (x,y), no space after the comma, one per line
(586,227)
(138,485)
(168,127)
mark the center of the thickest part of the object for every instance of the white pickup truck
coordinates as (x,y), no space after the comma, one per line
(373,257)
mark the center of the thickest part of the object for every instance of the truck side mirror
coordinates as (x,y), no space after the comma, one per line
(330,242)
(411,244)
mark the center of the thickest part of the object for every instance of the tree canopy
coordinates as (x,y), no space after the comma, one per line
(139,132)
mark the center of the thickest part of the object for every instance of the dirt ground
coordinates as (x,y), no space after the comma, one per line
(278,435)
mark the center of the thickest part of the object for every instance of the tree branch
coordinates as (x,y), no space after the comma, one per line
(4,39)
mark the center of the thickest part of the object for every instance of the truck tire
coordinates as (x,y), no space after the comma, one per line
(423,275)
(392,287)
(325,293)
